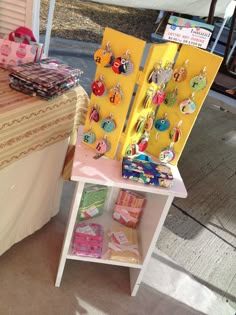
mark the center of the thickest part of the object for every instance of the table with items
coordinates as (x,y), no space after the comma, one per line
(34,137)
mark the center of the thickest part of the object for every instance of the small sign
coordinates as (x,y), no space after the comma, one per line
(188,32)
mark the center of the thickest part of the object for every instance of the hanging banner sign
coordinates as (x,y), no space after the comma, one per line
(188,32)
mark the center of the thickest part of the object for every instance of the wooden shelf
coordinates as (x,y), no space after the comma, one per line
(107,172)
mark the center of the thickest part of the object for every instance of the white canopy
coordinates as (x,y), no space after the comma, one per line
(224,9)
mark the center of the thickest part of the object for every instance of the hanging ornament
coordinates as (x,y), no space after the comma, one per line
(104,57)
(102,146)
(162,124)
(157,75)
(115,95)
(180,73)
(143,143)
(98,87)
(176,133)
(140,124)
(159,96)
(168,71)
(108,124)
(188,106)
(171,98)
(167,154)
(89,136)
(199,82)
(94,114)
(132,149)
(149,122)
(123,64)
(148,97)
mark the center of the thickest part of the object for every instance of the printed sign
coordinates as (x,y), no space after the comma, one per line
(188,32)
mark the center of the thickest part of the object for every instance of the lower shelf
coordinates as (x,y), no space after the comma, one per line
(102,261)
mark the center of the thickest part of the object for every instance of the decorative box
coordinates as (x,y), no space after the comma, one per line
(87,241)
(92,201)
(147,172)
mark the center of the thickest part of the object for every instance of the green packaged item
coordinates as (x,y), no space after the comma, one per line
(92,201)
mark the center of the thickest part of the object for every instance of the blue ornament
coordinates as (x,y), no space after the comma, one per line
(162,124)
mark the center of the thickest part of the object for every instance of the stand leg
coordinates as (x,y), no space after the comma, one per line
(136,275)
(69,230)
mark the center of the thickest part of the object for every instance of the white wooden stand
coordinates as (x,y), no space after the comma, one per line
(107,172)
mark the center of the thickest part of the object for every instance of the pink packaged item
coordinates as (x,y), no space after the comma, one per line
(88,238)
(128,216)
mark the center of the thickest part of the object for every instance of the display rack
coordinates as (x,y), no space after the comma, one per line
(129,111)
(88,169)
(108,172)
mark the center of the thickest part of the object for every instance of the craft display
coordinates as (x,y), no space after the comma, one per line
(171,89)
(87,240)
(92,202)
(117,61)
(183,85)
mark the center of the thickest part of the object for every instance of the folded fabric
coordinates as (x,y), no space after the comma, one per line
(47,78)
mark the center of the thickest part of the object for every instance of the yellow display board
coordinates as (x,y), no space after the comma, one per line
(191,72)
(195,61)
(120,44)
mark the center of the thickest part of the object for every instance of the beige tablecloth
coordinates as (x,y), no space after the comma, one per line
(33,144)
(30,123)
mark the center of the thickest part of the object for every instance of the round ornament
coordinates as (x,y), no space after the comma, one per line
(102,146)
(108,124)
(171,98)
(167,155)
(88,137)
(162,124)
(104,57)
(115,95)
(98,87)
(199,82)
(187,107)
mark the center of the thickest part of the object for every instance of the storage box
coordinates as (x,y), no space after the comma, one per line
(146,172)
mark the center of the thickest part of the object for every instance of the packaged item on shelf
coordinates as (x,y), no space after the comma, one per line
(123,245)
(92,202)
(146,172)
(128,208)
(128,216)
(87,241)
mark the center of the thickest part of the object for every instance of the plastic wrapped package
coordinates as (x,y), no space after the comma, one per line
(123,245)
(88,239)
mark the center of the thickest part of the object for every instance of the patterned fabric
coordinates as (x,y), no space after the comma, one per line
(30,123)
(47,78)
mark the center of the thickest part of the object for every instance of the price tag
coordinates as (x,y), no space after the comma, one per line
(120,238)
(86,230)
(92,211)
